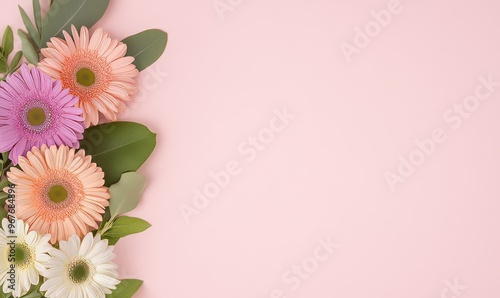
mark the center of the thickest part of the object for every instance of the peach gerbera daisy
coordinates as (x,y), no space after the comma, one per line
(95,70)
(59,192)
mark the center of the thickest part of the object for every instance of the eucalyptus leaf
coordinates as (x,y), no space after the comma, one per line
(37,11)
(126,288)
(5,155)
(7,42)
(35,36)
(146,47)
(63,13)
(3,66)
(126,194)
(125,226)
(15,61)
(118,147)
(29,51)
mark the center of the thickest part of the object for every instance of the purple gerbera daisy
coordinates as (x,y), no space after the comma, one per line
(36,111)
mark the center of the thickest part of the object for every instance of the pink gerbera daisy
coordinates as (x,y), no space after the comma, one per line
(95,69)
(59,192)
(34,110)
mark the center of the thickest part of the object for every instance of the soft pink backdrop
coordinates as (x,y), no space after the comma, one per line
(218,84)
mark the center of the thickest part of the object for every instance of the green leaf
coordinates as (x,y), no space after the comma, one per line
(3,66)
(15,61)
(125,226)
(29,51)
(118,147)
(4,183)
(30,27)
(146,47)
(126,194)
(37,11)
(7,42)
(34,294)
(111,240)
(3,214)
(126,288)
(63,13)
(105,218)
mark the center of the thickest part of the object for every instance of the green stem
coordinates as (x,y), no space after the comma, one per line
(106,227)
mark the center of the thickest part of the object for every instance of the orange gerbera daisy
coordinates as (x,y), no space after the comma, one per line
(95,70)
(59,192)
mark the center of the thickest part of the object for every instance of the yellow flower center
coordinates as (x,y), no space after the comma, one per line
(23,256)
(58,194)
(79,271)
(85,77)
(36,116)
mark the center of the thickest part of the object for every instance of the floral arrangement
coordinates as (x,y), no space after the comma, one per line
(67,167)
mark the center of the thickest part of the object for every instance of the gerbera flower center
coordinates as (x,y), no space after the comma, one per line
(85,77)
(58,194)
(86,74)
(36,116)
(79,271)
(23,255)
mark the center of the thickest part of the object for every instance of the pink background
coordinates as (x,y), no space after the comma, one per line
(323,175)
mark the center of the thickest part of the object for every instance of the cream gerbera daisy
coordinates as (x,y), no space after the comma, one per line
(30,256)
(81,269)
(95,70)
(59,191)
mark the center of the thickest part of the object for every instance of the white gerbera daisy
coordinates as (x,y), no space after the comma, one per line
(30,257)
(81,269)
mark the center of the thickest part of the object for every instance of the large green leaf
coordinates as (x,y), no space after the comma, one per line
(146,47)
(63,13)
(126,194)
(126,288)
(29,51)
(7,42)
(118,147)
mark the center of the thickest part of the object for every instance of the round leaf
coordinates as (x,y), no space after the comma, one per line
(126,288)
(146,47)
(126,194)
(118,147)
